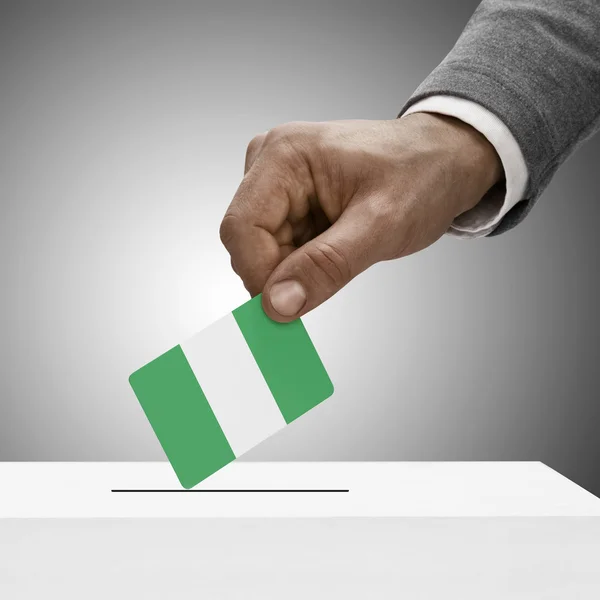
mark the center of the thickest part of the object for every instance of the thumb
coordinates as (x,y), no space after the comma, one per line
(317,270)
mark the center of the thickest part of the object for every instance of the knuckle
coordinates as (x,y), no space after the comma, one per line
(282,132)
(276,135)
(284,154)
(329,261)
(228,229)
(288,135)
(254,146)
(287,147)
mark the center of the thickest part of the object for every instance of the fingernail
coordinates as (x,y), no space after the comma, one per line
(287,297)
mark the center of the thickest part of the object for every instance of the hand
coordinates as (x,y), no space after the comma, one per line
(321,202)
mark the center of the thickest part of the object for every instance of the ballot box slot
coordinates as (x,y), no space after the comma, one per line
(227,491)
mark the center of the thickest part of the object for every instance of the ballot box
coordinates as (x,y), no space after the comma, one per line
(467,530)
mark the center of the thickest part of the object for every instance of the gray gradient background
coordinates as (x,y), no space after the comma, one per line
(123,129)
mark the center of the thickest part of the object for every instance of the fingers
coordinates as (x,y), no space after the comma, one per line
(321,267)
(256,229)
(254,251)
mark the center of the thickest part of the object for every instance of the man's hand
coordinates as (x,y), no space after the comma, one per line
(322,202)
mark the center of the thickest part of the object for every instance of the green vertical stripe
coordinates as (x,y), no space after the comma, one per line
(181,417)
(287,359)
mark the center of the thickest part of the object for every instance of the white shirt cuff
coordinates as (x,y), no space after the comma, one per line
(485,217)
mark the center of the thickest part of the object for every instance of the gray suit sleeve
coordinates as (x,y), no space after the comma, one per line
(536,65)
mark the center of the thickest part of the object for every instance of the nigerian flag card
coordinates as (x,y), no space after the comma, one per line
(228,388)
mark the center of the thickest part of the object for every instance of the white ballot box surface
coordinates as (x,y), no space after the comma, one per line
(298,530)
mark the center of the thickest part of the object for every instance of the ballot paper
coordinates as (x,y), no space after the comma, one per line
(228,388)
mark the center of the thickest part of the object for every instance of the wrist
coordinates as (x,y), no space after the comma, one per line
(470,158)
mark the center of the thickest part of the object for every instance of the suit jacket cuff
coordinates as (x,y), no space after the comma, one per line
(489,212)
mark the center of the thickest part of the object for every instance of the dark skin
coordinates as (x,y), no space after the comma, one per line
(322,202)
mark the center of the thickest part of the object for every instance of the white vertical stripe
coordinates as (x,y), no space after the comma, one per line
(233,384)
